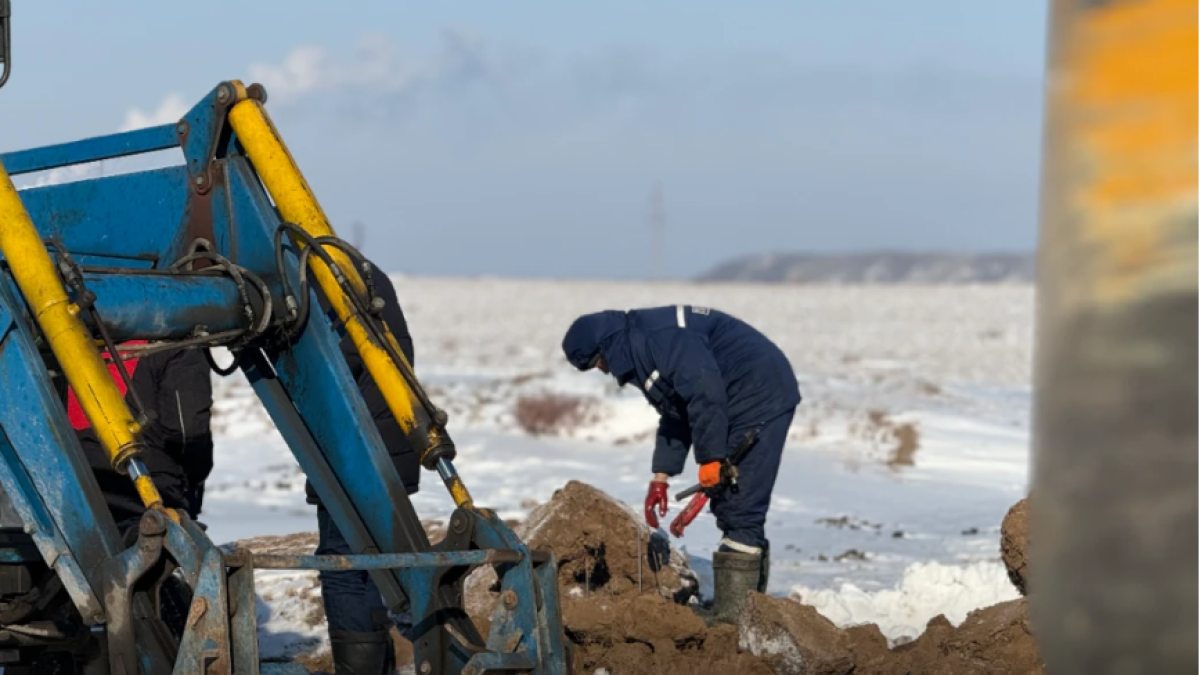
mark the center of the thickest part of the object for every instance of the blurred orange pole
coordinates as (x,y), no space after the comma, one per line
(1114,499)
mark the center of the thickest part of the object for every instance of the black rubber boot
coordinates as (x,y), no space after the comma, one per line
(362,653)
(734,575)
(765,572)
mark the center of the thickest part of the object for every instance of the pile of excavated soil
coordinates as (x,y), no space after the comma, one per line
(995,640)
(651,635)
(793,638)
(1014,544)
(614,625)
(614,629)
(622,586)
(603,545)
(624,591)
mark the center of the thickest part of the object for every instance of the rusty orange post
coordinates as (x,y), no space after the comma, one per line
(1113,580)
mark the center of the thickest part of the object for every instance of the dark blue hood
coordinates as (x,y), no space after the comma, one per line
(605,333)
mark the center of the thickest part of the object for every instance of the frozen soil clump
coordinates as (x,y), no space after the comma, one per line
(601,546)
(649,634)
(995,639)
(601,543)
(793,638)
(1014,544)
(610,623)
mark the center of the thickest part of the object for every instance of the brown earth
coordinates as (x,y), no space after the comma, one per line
(603,545)
(793,638)
(612,625)
(995,641)
(868,646)
(1014,544)
(648,634)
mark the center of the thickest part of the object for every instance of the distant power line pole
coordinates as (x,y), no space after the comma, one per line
(658,227)
(358,234)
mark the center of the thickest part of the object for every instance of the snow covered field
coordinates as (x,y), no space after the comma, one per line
(910,445)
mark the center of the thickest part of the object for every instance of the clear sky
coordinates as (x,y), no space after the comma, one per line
(524,138)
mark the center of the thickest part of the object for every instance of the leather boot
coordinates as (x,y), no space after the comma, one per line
(734,575)
(362,653)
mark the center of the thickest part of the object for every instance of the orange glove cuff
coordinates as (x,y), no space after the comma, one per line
(710,474)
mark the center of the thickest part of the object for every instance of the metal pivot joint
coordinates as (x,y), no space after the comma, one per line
(218,251)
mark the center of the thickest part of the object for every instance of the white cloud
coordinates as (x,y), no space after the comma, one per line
(309,70)
(66,174)
(303,71)
(170,110)
(374,71)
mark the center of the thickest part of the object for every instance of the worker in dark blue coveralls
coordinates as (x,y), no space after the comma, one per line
(358,620)
(712,378)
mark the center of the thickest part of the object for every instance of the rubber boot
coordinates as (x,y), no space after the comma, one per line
(362,653)
(734,575)
(765,572)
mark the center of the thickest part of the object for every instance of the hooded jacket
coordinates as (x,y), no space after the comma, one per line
(709,375)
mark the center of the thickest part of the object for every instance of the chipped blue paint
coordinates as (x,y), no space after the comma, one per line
(124,144)
(160,307)
(134,226)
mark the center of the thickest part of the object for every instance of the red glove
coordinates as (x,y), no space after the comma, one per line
(710,474)
(656,496)
(689,514)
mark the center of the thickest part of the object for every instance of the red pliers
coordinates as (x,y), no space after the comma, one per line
(689,513)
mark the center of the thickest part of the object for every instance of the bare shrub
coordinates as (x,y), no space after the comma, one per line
(907,442)
(906,438)
(549,414)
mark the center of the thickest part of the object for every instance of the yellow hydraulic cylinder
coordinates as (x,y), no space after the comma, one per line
(296,203)
(70,341)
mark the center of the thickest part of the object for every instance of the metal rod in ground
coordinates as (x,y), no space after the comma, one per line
(654,568)
(638,530)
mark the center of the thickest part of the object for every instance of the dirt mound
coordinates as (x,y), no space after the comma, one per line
(793,638)
(612,625)
(1014,544)
(624,592)
(920,655)
(649,634)
(868,646)
(996,640)
(601,543)
(602,546)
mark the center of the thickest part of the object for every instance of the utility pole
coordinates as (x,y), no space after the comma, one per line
(658,226)
(358,234)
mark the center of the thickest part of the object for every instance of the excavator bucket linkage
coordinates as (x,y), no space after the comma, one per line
(216,251)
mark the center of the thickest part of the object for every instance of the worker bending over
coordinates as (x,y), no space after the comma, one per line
(712,378)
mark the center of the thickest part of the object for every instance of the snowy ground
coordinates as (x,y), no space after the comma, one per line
(860,537)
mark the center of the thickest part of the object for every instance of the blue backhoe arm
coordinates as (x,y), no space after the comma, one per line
(194,255)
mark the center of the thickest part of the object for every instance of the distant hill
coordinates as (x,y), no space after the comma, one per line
(883,267)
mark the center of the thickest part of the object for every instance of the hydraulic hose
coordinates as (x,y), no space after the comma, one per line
(71,343)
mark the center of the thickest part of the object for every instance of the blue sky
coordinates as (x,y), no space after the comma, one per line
(523,138)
